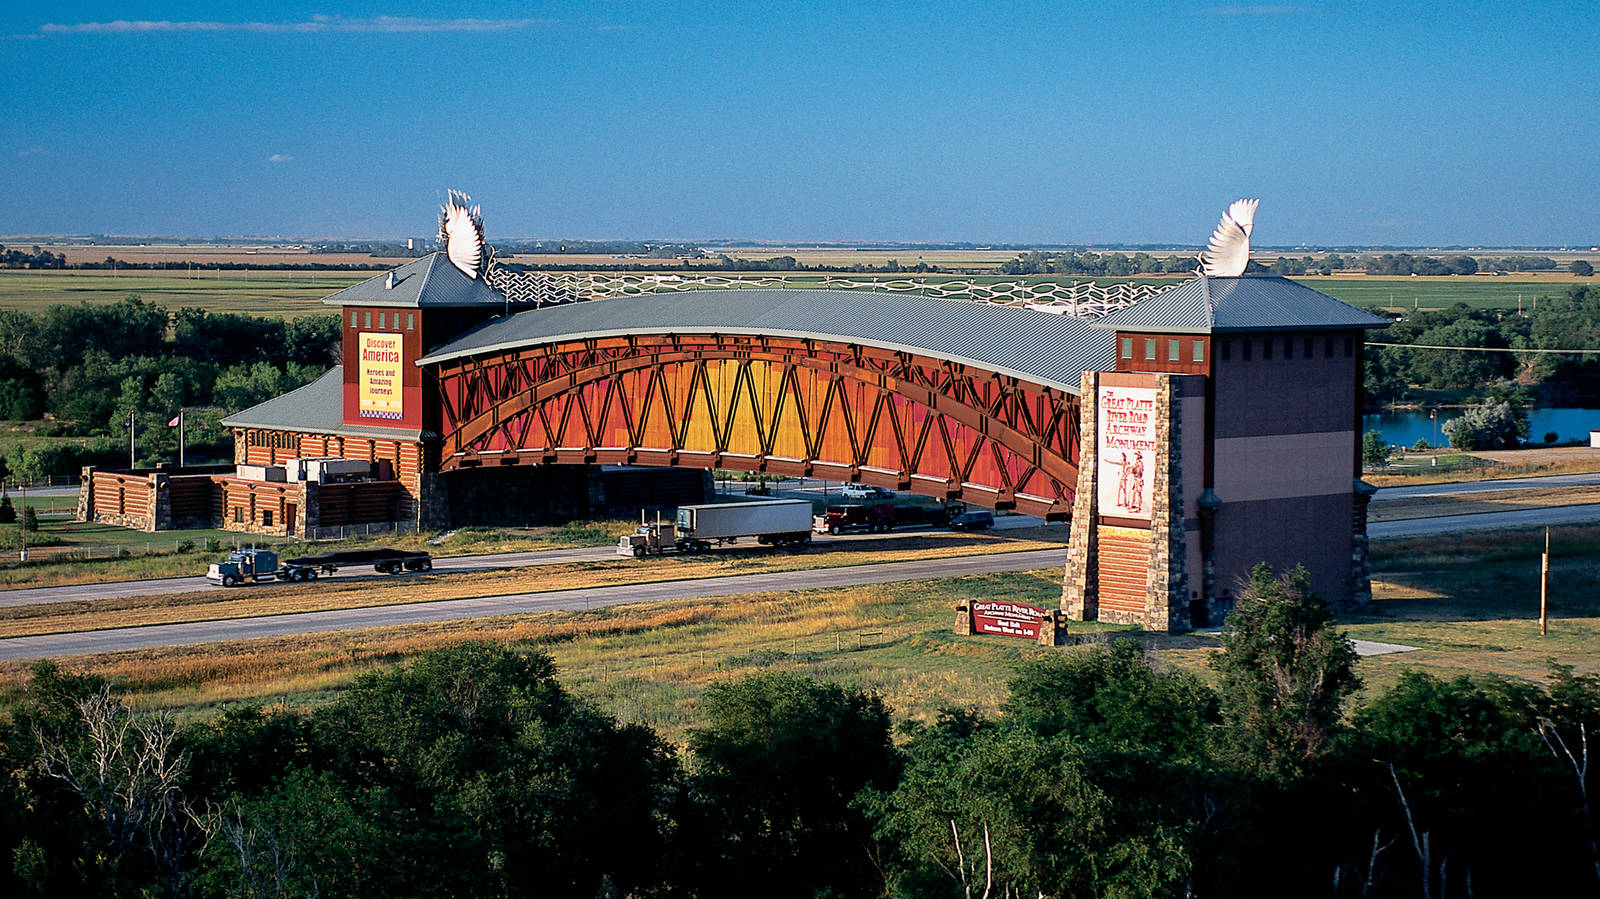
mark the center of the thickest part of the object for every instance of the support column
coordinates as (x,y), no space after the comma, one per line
(1080,595)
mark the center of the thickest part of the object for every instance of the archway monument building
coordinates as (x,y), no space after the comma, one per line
(1187,436)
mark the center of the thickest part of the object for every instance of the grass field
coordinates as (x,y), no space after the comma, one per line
(1469,603)
(272,294)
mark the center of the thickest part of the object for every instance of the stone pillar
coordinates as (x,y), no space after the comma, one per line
(310,509)
(86,494)
(1053,629)
(1360,557)
(1080,598)
(158,516)
(963,627)
(1167,589)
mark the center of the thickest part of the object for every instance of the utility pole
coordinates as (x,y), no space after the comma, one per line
(1544,586)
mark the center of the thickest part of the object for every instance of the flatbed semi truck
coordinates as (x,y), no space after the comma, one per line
(259,565)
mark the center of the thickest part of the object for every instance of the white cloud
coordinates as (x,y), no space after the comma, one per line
(313,25)
(31,151)
(280,157)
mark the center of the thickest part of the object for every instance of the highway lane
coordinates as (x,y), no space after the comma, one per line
(56,645)
(1517,518)
(174,585)
(1465,487)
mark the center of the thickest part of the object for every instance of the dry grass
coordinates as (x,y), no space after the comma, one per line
(646,663)
(323,595)
(1470,602)
(1504,464)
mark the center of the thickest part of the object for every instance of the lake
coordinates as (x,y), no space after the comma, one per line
(1406,428)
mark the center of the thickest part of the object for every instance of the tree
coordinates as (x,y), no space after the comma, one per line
(478,774)
(30,520)
(1581,267)
(1491,425)
(8,512)
(1113,696)
(1374,452)
(1285,672)
(987,809)
(777,766)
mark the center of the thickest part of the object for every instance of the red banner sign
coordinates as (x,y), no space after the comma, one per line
(1008,618)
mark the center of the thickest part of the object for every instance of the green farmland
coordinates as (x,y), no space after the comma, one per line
(276,293)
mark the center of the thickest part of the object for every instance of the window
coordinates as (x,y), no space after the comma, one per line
(1150,349)
(1127,347)
(367,317)
(1349,347)
(238,514)
(266,518)
(1288,348)
(1225,348)
(1199,351)
(1327,347)
(1266,348)
(1244,350)
(1172,351)
(353,318)
(1310,348)
(410,319)
(383,320)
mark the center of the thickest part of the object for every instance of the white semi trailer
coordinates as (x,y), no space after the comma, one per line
(783,522)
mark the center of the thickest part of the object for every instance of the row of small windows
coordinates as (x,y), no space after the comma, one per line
(1307,347)
(363,319)
(1197,349)
(272,439)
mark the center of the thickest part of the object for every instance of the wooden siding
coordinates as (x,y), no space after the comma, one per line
(121,494)
(1124,567)
(359,503)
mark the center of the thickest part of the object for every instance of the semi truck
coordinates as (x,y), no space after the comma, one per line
(878,518)
(696,528)
(257,565)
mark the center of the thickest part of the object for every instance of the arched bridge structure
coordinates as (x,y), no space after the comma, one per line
(945,398)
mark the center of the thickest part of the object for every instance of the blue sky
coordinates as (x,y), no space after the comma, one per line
(1401,124)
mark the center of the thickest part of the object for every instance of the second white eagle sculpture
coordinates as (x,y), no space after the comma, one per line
(1229,251)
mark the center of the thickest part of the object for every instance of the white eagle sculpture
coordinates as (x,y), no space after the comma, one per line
(1229,251)
(461,234)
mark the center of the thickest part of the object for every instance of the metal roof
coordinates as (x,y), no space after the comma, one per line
(317,408)
(428,281)
(1052,350)
(1208,305)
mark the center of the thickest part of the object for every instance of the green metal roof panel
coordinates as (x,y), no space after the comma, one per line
(317,407)
(1207,305)
(1037,346)
(424,282)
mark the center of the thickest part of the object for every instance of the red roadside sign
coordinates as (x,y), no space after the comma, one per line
(1009,618)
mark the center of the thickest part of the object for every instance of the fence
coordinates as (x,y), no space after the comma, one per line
(1085,299)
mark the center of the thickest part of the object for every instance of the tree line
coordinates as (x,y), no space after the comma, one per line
(1570,320)
(82,370)
(471,771)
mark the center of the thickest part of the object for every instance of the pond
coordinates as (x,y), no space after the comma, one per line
(1406,428)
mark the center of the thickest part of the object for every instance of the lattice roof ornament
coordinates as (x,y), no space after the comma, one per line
(461,234)
(1229,251)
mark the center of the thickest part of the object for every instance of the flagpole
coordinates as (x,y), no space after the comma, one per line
(180,436)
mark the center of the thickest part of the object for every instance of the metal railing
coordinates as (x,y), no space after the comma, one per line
(1086,299)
